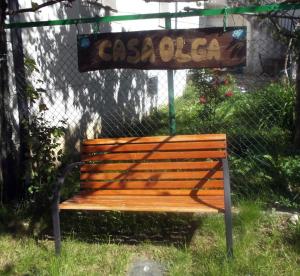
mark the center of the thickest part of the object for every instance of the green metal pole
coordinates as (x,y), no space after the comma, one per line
(204,12)
(172,119)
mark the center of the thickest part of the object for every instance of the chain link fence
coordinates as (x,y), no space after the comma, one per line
(250,105)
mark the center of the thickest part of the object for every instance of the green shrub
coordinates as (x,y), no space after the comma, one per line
(273,179)
(268,107)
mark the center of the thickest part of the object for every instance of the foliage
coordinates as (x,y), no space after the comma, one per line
(213,89)
(273,179)
(229,108)
(44,142)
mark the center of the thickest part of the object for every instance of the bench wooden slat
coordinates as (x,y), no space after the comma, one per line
(204,165)
(154,203)
(176,138)
(155,156)
(154,192)
(81,196)
(154,147)
(152,175)
(163,184)
(136,200)
(145,208)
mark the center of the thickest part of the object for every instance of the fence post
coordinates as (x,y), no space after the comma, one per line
(172,120)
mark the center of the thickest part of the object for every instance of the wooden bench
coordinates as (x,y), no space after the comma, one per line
(182,173)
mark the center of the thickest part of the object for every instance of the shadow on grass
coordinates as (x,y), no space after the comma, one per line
(130,228)
(107,227)
(8,269)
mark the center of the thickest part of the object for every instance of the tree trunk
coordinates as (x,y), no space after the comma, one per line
(24,167)
(3,99)
(297,108)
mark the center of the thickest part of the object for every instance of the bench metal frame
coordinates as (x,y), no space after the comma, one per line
(60,182)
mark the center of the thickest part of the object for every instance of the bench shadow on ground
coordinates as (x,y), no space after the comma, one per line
(130,228)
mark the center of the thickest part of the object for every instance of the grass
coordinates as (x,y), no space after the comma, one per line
(265,244)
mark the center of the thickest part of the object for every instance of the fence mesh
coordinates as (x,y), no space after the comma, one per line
(246,103)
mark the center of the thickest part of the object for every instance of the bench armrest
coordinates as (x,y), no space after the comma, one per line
(61,179)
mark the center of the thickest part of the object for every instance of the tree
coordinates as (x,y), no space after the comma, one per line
(291,35)
(3,93)
(297,107)
(297,102)
(11,8)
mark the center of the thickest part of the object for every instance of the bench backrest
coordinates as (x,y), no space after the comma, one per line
(160,165)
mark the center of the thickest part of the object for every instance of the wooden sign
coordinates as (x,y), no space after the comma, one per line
(163,49)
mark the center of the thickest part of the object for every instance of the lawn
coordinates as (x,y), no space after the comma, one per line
(265,243)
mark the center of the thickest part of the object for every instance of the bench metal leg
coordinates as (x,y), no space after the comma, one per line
(56,228)
(228,215)
(55,204)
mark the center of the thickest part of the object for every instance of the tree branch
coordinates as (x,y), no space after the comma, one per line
(280,30)
(35,7)
(286,60)
(275,17)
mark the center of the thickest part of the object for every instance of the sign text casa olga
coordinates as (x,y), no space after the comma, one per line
(163,49)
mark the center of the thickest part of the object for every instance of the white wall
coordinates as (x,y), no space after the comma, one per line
(96,103)
(85,100)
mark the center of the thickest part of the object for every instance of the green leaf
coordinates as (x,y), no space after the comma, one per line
(42,107)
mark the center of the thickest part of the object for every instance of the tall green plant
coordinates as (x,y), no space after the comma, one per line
(44,141)
(213,88)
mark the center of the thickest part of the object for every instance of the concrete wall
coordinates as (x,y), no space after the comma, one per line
(93,103)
